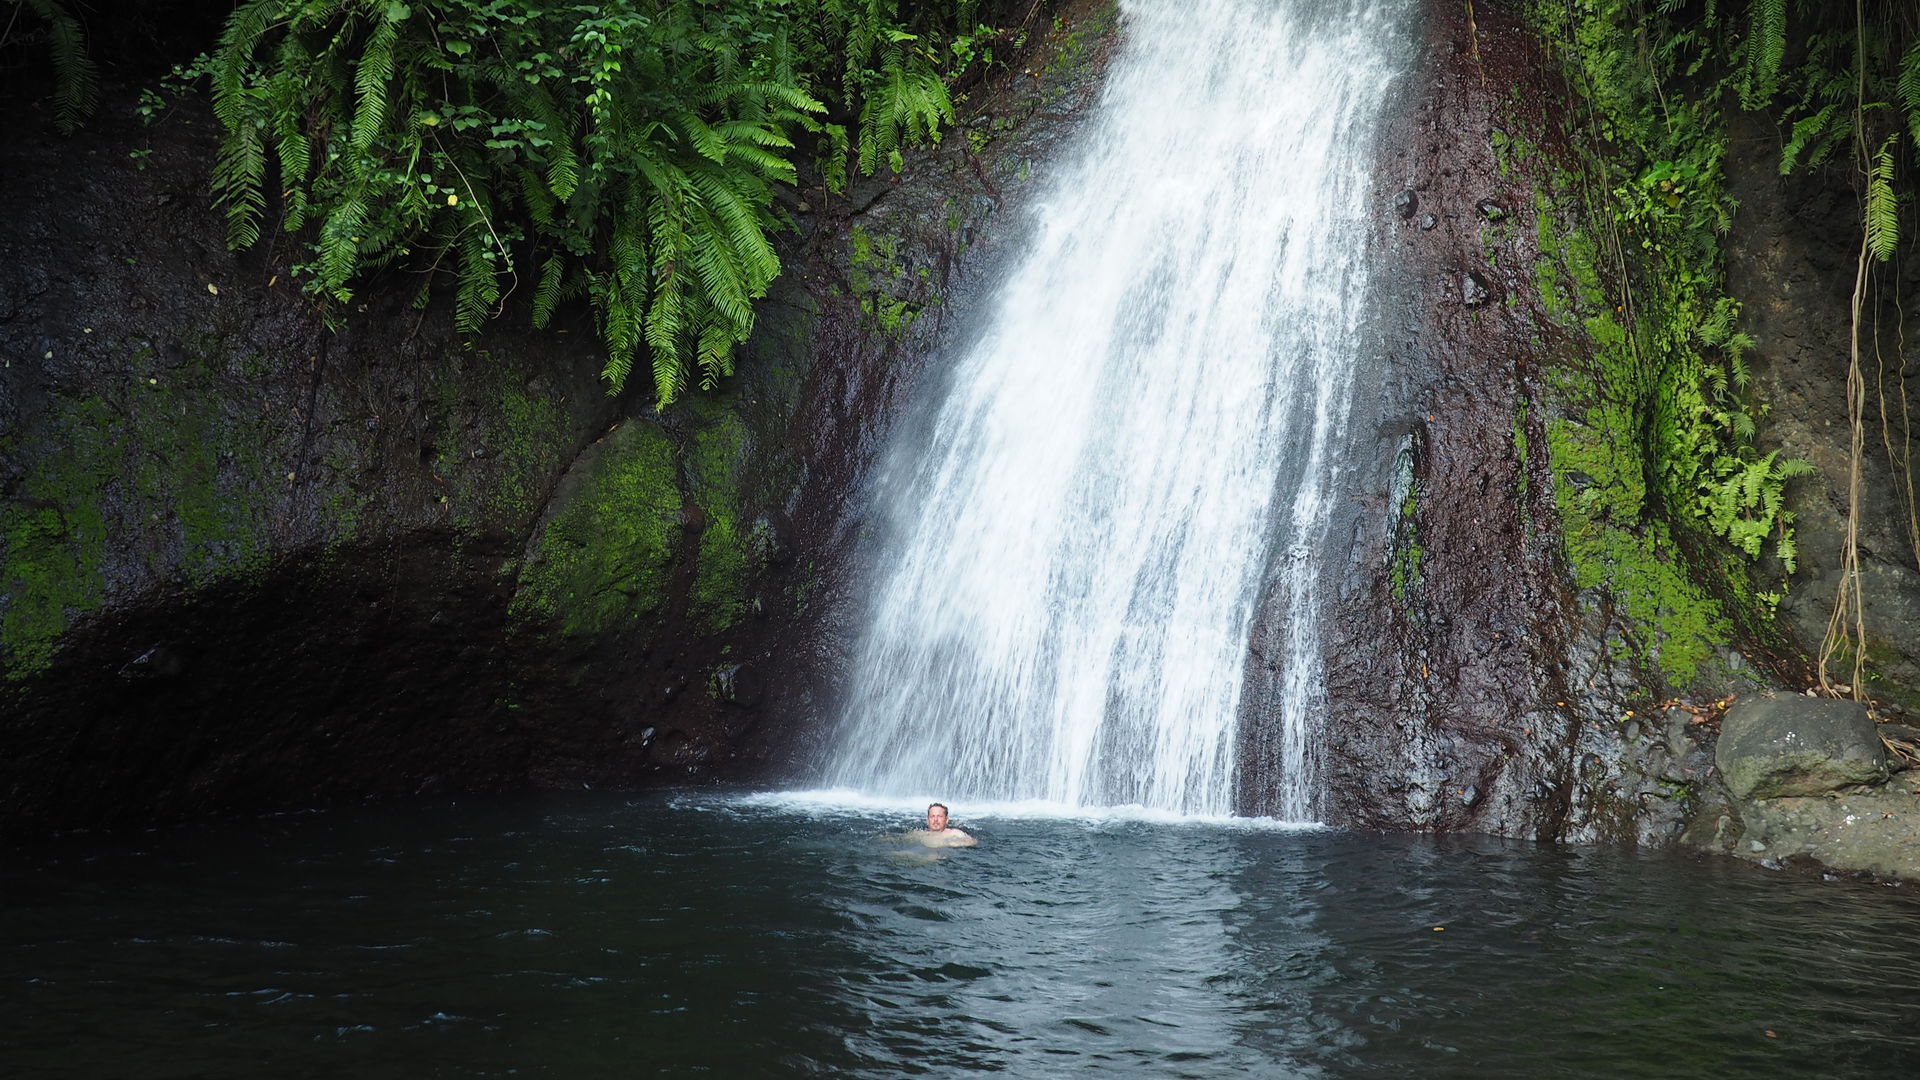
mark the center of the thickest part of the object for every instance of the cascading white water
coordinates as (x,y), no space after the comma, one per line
(1139,442)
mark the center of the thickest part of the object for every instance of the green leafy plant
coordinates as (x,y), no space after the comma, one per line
(626,152)
(76,84)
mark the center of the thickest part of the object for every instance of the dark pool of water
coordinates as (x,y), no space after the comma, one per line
(710,935)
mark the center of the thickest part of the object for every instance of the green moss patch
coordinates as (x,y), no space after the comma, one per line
(606,555)
(729,554)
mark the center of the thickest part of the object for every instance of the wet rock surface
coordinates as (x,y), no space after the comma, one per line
(1874,831)
(1469,687)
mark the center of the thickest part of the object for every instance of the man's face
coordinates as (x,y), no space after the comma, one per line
(936,818)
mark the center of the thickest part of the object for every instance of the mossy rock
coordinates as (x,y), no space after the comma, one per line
(605,552)
(1774,747)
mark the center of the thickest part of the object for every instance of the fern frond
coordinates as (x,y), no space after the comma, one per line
(764,162)
(76,83)
(479,288)
(1909,89)
(1883,207)
(1805,130)
(340,246)
(714,352)
(905,107)
(546,296)
(562,166)
(705,141)
(239,172)
(1766,47)
(744,233)
(370,78)
(233,60)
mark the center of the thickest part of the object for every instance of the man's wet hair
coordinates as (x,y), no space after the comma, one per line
(941,805)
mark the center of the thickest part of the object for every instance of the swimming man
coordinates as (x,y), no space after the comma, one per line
(938,834)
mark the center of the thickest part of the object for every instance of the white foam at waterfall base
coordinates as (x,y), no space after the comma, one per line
(1081,534)
(905,811)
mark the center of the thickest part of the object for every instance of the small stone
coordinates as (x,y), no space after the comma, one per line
(1427,222)
(1491,210)
(1473,291)
(1405,203)
(1755,845)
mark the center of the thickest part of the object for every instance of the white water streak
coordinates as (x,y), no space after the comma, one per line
(1066,611)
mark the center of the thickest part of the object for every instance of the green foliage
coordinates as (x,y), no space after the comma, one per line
(626,152)
(1883,207)
(1758,77)
(76,84)
(1664,500)
(880,282)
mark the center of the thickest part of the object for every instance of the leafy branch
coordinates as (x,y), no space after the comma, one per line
(626,153)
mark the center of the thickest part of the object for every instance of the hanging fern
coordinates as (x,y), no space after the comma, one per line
(1882,206)
(630,150)
(76,84)
(1908,86)
(1764,49)
(906,105)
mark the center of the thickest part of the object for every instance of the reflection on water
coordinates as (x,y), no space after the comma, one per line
(714,935)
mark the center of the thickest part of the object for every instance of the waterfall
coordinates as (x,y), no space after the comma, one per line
(1140,441)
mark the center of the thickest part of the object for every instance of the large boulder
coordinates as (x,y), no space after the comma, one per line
(1773,747)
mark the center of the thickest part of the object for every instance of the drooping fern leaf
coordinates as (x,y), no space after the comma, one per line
(1909,90)
(371,74)
(479,287)
(1818,129)
(76,85)
(906,106)
(1765,48)
(1882,205)
(240,168)
(546,296)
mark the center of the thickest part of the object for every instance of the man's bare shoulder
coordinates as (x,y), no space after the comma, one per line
(943,838)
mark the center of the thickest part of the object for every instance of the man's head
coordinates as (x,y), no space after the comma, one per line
(936,817)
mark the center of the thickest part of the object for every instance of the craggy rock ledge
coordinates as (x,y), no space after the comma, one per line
(1809,781)
(1470,687)
(250,562)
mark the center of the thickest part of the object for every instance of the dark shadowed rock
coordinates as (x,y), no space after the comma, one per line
(158,662)
(742,685)
(1491,210)
(1406,203)
(1771,747)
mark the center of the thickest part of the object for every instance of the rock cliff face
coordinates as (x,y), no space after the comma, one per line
(252,561)
(1472,683)
(1792,257)
(1469,685)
